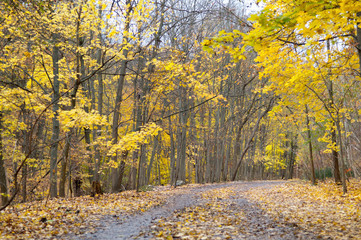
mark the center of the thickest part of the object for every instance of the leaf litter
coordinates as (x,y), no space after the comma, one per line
(60,217)
(226,213)
(322,209)
(236,210)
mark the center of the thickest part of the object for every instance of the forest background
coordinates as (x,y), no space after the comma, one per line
(124,94)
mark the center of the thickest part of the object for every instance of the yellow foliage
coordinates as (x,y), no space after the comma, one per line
(79,118)
(134,140)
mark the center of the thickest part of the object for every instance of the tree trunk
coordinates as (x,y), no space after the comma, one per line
(193,144)
(87,131)
(182,137)
(251,138)
(64,163)
(202,149)
(80,72)
(119,172)
(172,154)
(24,181)
(292,158)
(222,141)
(56,125)
(142,166)
(313,176)
(98,131)
(154,151)
(343,168)
(208,146)
(137,112)
(119,96)
(336,169)
(228,164)
(143,174)
(217,148)
(3,180)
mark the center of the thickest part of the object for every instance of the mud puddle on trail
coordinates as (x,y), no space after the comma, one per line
(210,211)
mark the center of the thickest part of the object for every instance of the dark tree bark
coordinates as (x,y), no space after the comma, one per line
(56,125)
(3,180)
(119,98)
(313,176)
(98,131)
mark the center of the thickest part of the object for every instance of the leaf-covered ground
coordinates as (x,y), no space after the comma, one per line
(322,209)
(58,217)
(226,213)
(238,210)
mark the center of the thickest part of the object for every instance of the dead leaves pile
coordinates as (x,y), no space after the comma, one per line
(58,217)
(321,209)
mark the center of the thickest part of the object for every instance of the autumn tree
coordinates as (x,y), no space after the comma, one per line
(292,40)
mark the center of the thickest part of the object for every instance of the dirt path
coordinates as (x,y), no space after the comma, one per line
(229,216)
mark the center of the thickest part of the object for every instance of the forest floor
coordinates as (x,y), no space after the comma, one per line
(235,210)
